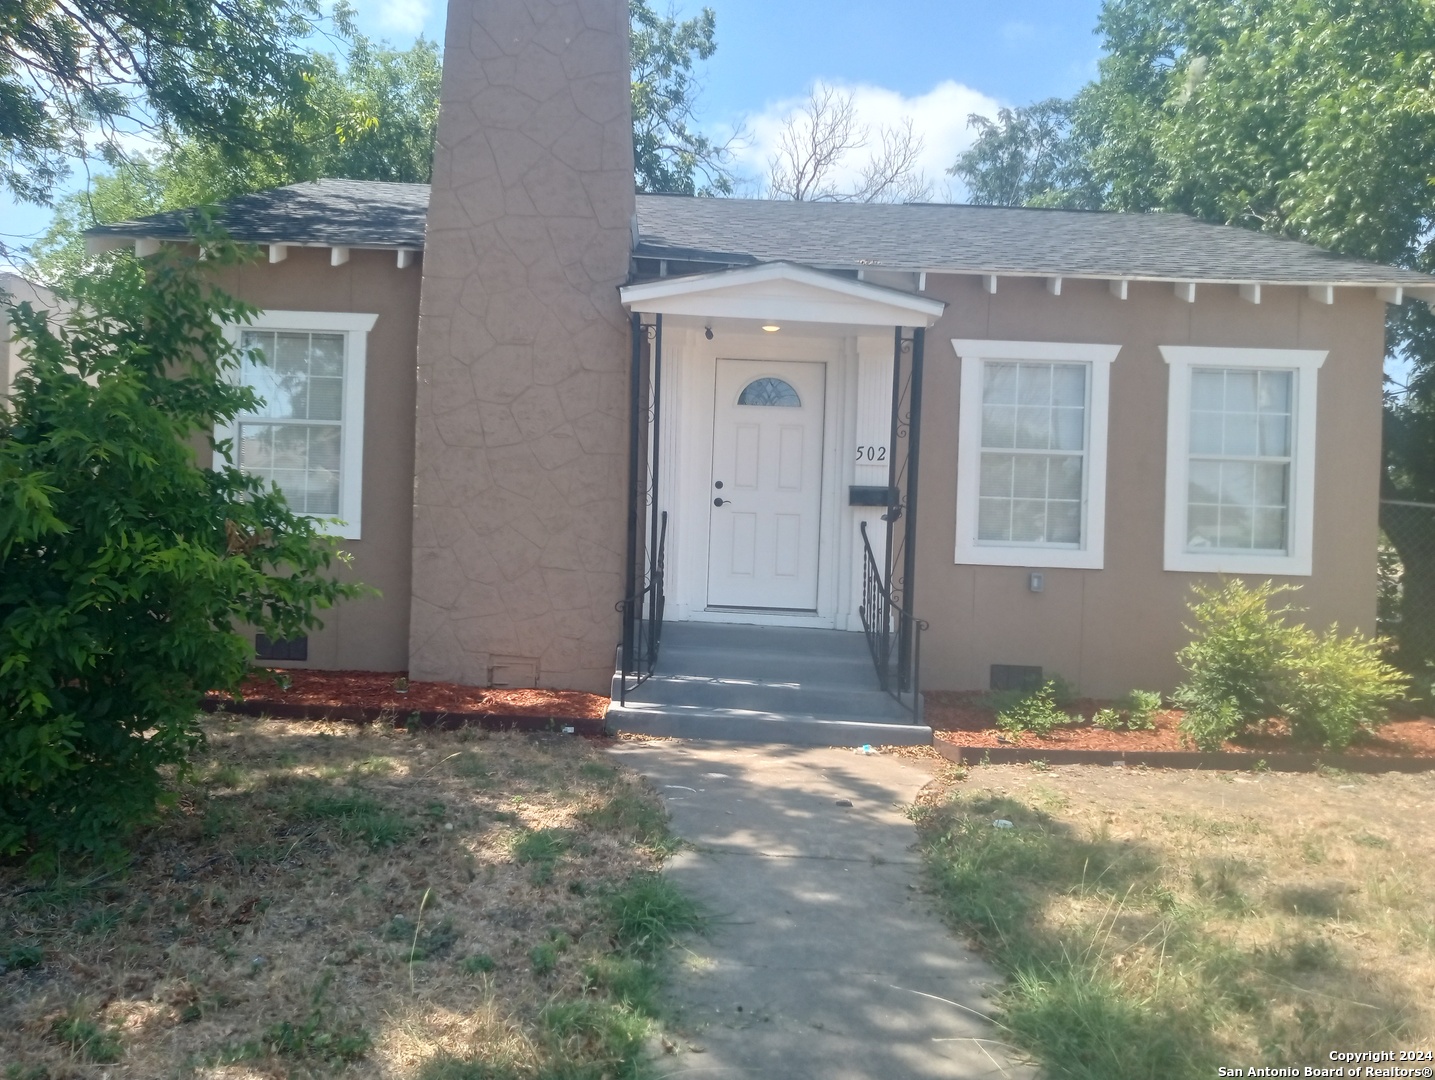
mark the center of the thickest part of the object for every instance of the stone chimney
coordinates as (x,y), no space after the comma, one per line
(520,490)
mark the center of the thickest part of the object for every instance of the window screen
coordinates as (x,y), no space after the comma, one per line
(1238,493)
(1033,458)
(294,438)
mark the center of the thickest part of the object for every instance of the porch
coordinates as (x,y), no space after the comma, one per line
(764,684)
(774,443)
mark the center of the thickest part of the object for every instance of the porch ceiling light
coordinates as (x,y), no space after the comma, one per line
(771,328)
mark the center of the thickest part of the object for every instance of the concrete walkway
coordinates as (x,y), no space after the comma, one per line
(825,960)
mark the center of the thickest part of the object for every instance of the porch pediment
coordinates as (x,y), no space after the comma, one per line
(781,292)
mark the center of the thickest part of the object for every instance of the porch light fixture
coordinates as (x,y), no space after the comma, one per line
(772,328)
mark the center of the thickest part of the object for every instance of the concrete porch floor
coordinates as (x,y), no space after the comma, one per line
(766,684)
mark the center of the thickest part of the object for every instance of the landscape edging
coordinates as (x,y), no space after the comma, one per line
(425,718)
(1180,759)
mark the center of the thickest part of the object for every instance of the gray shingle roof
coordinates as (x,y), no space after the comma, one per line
(340,213)
(993,239)
(918,237)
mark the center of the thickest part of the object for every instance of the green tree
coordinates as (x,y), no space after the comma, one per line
(1314,120)
(1026,157)
(371,117)
(669,153)
(125,567)
(75,72)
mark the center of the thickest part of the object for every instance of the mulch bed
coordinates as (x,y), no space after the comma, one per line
(372,696)
(966,731)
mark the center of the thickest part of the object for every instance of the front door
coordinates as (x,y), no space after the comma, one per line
(766,485)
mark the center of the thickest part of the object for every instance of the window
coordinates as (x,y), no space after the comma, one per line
(770,392)
(1240,459)
(1031,468)
(307,436)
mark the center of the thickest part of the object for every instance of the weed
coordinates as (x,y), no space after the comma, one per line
(421,942)
(544,956)
(101,921)
(226,776)
(355,816)
(627,812)
(14,956)
(649,913)
(86,1038)
(446,1067)
(604,1033)
(541,848)
(479,964)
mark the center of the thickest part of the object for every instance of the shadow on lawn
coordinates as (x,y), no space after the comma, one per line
(1121,968)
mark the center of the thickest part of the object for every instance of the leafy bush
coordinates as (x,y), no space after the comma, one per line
(1247,664)
(1135,712)
(1339,686)
(1037,713)
(124,567)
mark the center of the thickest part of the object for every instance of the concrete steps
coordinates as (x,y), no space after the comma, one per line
(765,684)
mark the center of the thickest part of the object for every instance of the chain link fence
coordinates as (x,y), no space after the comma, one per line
(1407,585)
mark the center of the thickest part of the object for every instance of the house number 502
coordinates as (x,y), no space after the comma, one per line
(871,453)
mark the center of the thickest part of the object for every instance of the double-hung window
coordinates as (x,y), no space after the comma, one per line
(1240,459)
(307,435)
(1031,468)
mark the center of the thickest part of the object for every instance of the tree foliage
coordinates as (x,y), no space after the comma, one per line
(1026,157)
(74,73)
(125,567)
(372,116)
(669,154)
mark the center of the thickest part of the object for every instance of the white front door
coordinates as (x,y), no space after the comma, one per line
(766,485)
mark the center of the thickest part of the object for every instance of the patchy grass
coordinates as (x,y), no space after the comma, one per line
(331,900)
(1163,924)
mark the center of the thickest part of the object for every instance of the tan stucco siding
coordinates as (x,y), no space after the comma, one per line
(523,349)
(372,633)
(1111,629)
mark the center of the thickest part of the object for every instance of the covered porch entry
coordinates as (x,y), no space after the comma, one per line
(773,469)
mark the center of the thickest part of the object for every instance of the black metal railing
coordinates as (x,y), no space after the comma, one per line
(894,635)
(643,620)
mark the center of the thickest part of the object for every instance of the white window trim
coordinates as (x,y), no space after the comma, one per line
(973,354)
(355,326)
(1305,363)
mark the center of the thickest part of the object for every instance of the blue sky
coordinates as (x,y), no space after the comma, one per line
(933,61)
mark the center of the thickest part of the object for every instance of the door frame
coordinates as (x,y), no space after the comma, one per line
(689,393)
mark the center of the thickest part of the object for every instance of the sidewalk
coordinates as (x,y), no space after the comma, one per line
(825,960)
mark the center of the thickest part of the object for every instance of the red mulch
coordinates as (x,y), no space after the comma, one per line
(962,719)
(375,689)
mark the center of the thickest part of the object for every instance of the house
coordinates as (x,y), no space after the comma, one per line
(576,433)
(15,289)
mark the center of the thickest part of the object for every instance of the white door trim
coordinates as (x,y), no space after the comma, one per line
(688,407)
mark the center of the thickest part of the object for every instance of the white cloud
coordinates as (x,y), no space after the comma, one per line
(938,116)
(403,16)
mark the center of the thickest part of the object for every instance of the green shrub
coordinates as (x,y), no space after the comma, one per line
(1247,664)
(124,566)
(1141,707)
(1134,712)
(1037,713)
(1236,661)
(1338,687)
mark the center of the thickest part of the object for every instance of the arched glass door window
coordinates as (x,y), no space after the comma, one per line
(768,391)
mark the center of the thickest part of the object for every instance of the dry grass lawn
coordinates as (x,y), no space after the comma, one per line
(1164,923)
(328,899)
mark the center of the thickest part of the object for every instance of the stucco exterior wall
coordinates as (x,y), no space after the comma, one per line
(523,349)
(369,634)
(1113,629)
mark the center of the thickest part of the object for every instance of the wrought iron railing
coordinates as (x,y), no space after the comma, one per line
(894,635)
(643,620)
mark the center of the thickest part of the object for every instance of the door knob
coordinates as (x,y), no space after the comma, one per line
(717,484)
(721,501)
